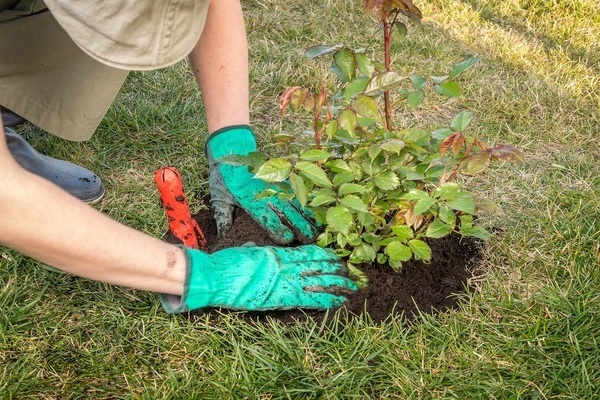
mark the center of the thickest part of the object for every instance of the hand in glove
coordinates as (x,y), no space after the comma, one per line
(262,278)
(232,185)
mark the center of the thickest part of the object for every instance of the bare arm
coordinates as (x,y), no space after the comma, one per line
(220,64)
(69,235)
(40,220)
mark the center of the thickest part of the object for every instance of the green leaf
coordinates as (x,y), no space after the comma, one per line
(353,202)
(355,87)
(403,232)
(324,239)
(319,190)
(315,155)
(357,276)
(299,188)
(363,253)
(420,249)
(348,188)
(461,121)
(396,265)
(418,136)
(466,221)
(374,151)
(476,231)
(414,176)
(343,177)
(366,219)
(415,98)
(485,205)
(448,88)
(331,128)
(354,239)
(339,73)
(397,251)
(283,138)
(265,194)
(344,60)
(447,215)
(438,229)
(415,194)
(339,219)
(364,63)
(418,82)
(370,237)
(337,165)
(400,28)
(274,170)
(387,180)
(462,202)
(314,173)
(439,79)
(365,106)
(442,133)
(342,252)
(461,67)
(235,159)
(320,49)
(322,199)
(476,163)
(383,82)
(447,191)
(423,205)
(347,120)
(392,145)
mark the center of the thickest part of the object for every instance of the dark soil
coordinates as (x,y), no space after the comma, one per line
(419,287)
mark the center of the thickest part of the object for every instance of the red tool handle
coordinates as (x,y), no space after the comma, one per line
(182,225)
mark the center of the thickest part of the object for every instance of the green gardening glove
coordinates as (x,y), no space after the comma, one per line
(262,278)
(232,185)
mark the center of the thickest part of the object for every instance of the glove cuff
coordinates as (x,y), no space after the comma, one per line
(195,262)
(235,139)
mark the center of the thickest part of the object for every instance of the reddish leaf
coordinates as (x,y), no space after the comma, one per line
(507,152)
(286,98)
(449,142)
(458,143)
(383,8)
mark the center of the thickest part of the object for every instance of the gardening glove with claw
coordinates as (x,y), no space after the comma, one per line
(232,185)
(262,278)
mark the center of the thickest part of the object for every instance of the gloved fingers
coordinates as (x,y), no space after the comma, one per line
(301,222)
(306,255)
(271,222)
(307,214)
(223,213)
(321,300)
(334,284)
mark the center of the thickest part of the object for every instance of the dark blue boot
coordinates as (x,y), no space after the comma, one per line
(78,181)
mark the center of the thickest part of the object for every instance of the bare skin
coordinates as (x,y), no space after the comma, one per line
(71,236)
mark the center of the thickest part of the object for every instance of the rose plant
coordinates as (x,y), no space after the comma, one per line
(379,191)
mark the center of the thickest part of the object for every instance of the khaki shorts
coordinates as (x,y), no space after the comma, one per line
(49,80)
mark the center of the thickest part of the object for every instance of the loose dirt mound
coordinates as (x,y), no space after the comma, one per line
(428,287)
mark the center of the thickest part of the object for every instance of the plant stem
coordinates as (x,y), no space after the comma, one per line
(387,41)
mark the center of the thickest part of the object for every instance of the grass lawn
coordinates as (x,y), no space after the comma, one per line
(531,331)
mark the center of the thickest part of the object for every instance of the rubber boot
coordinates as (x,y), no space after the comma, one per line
(76,180)
(9,118)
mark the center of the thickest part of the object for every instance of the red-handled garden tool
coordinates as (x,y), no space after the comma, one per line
(182,225)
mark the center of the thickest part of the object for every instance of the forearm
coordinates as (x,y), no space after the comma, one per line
(45,223)
(220,64)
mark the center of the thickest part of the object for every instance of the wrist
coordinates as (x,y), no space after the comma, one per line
(196,291)
(235,139)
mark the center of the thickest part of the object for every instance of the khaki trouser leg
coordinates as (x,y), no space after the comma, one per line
(48,80)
